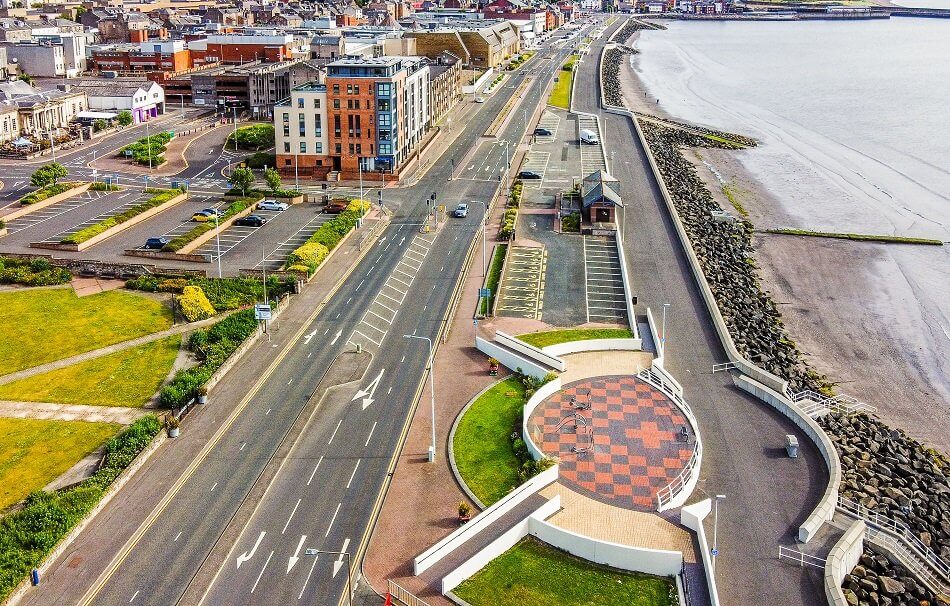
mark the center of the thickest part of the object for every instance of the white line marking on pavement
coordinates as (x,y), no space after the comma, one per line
(290,517)
(290,381)
(390,390)
(243,444)
(338,335)
(262,571)
(292,561)
(247,555)
(133,597)
(215,485)
(315,468)
(348,301)
(335,430)
(312,566)
(309,354)
(352,475)
(403,360)
(333,519)
(268,412)
(371,430)
(177,536)
(361,283)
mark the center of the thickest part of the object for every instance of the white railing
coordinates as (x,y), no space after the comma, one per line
(724,366)
(900,532)
(802,559)
(815,404)
(404,596)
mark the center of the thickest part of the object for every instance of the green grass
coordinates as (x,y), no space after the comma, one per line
(494,276)
(126,378)
(553,337)
(732,193)
(43,325)
(35,452)
(858,237)
(482,448)
(561,93)
(533,572)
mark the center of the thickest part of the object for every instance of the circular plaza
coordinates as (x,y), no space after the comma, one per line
(617,439)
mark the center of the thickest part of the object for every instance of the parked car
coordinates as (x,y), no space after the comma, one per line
(461,211)
(479,99)
(251,221)
(203,216)
(214,212)
(336,206)
(155,243)
(528,174)
(272,205)
(543,132)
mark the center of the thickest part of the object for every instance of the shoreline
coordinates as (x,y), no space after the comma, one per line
(852,320)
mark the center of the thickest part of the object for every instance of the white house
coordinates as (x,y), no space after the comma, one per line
(144,98)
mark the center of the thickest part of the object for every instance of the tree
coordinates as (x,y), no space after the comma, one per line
(99,125)
(26,78)
(48,174)
(273,179)
(241,178)
(124,118)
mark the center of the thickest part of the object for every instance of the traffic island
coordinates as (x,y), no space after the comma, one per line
(46,196)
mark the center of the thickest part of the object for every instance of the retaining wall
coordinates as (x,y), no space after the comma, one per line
(692,517)
(546,390)
(842,559)
(535,353)
(570,347)
(510,359)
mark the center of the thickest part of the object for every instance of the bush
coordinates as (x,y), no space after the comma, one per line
(310,255)
(571,223)
(103,186)
(163,196)
(48,174)
(124,118)
(330,233)
(47,192)
(253,138)
(194,304)
(224,294)
(260,160)
(37,272)
(150,148)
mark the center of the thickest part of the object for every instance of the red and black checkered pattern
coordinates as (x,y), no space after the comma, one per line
(627,443)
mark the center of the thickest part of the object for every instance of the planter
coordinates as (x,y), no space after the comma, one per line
(290,199)
(464,519)
(173,432)
(3,231)
(27,209)
(223,225)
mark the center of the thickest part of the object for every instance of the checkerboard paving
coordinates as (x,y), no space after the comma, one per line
(625,447)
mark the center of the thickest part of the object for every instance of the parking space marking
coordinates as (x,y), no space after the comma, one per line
(603,280)
(277,257)
(232,236)
(51,212)
(521,293)
(537,162)
(129,198)
(550,121)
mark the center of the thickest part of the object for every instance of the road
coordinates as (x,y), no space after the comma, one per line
(326,483)
(767,494)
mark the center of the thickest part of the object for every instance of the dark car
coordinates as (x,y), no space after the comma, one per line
(543,132)
(155,243)
(336,206)
(528,174)
(251,221)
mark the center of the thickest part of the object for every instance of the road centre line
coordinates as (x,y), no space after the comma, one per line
(352,475)
(315,468)
(262,571)
(370,436)
(333,519)
(340,422)
(291,516)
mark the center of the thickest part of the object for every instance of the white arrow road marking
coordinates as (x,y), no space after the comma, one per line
(333,342)
(293,559)
(247,555)
(367,394)
(339,561)
(403,240)
(306,338)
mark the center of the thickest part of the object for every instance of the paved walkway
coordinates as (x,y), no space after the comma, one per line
(83,287)
(104,351)
(71,412)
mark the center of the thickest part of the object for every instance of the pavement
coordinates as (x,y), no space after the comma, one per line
(71,412)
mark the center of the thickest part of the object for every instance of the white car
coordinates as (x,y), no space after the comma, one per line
(479,99)
(272,205)
(461,211)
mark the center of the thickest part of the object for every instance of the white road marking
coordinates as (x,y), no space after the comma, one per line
(312,566)
(338,563)
(289,518)
(352,475)
(333,519)
(315,468)
(309,354)
(247,555)
(370,436)
(268,412)
(133,597)
(390,390)
(215,485)
(292,561)
(335,430)
(243,444)
(177,536)
(262,571)
(338,334)
(290,381)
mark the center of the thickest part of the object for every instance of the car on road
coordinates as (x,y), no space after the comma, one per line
(461,211)
(203,216)
(155,243)
(272,205)
(544,132)
(251,221)
(479,99)
(528,174)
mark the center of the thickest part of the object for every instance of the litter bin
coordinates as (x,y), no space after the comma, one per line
(791,446)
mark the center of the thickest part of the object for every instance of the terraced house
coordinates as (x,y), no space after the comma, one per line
(368,117)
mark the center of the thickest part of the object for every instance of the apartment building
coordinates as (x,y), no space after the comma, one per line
(54,56)
(369,116)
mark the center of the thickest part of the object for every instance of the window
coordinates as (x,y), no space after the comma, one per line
(319,148)
(359,149)
(385,149)
(316,120)
(383,105)
(316,103)
(303,147)
(349,104)
(336,89)
(356,89)
(336,104)
(385,120)
(351,149)
(286,161)
(286,147)
(349,89)
(383,89)
(371,152)
(300,102)
(286,130)
(286,117)
(339,149)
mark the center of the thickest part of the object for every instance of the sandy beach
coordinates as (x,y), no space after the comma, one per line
(861,313)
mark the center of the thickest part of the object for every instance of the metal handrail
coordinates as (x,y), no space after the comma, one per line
(840,403)
(910,559)
(800,557)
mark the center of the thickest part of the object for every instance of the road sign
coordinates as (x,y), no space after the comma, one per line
(715,552)
(262,312)
(484,292)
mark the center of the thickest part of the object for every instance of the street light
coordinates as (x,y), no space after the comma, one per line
(484,224)
(432,391)
(663,336)
(148,145)
(217,240)
(715,548)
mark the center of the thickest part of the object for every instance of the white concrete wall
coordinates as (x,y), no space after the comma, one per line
(570,347)
(510,359)
(842,559)
(471,89)
(627,290)
(640,559)
(692,517)
(539,396)
(535,353)
(443,548)
(655,334)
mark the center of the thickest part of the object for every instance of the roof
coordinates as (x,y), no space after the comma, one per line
(114,87)
(598,187)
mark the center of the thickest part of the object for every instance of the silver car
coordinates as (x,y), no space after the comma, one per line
(272,205)
(461,211)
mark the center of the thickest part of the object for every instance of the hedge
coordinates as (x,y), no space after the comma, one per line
(48,192)
(37,272)
(212,347)
(179,242)
(103,186)
(260,160)
(194,304)
(254,137)
(224,293)
(328,235)
(162,196)
(151,148)
(28,535)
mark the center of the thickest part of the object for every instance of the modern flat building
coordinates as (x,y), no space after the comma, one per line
(144,57)
(369,116)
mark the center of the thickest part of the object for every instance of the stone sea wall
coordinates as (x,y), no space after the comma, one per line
(876,581)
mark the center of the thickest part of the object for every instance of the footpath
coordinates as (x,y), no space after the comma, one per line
(67,578)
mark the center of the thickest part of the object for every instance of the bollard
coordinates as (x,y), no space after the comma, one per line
(35,577)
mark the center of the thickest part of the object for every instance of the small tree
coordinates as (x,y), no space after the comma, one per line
(48,174)
(241,178)
(26,78)
(124,118)
(99,125)
(273,179)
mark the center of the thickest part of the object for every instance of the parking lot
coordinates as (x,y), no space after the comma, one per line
(549,121)
(275,259)
(521,293)
(52,212)
(229,238)
(592,156)
(606,300)
(537,162)
(123,201)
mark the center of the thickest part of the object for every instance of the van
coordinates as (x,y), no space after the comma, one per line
(589,137)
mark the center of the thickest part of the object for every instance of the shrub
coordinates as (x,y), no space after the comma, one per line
(48,174)
(146,283)
(47,192)
(37,272)
(571,223)
(194,304)
(310,255)
(97,228)
(253,138)
(260,160)
(103,186)
(330,233)
(224,293)
(175,285)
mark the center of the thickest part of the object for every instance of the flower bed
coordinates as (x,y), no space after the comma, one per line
(224,293)
(161,196)
(48,192)
(308,257)
(234,208)
(149,150)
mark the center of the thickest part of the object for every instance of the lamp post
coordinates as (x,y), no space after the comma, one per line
(235,128)
(715,547)
(431,390)
(217,241)
(349,577)
(148,145)
(663,336)
(484,224)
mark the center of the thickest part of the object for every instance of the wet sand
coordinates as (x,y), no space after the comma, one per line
(857,310)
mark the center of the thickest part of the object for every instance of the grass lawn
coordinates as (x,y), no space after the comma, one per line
(125,378)
(49,324)
(533,572)
(494,275)
(561,93)
(553,337)
(482,447)
(35,452)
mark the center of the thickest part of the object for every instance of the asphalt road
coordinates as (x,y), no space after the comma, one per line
(330,500)
(767,494)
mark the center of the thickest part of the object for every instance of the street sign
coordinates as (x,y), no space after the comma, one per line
(262,312)
(484,292)
(715,552)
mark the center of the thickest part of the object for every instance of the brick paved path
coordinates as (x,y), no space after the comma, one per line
(625,446)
